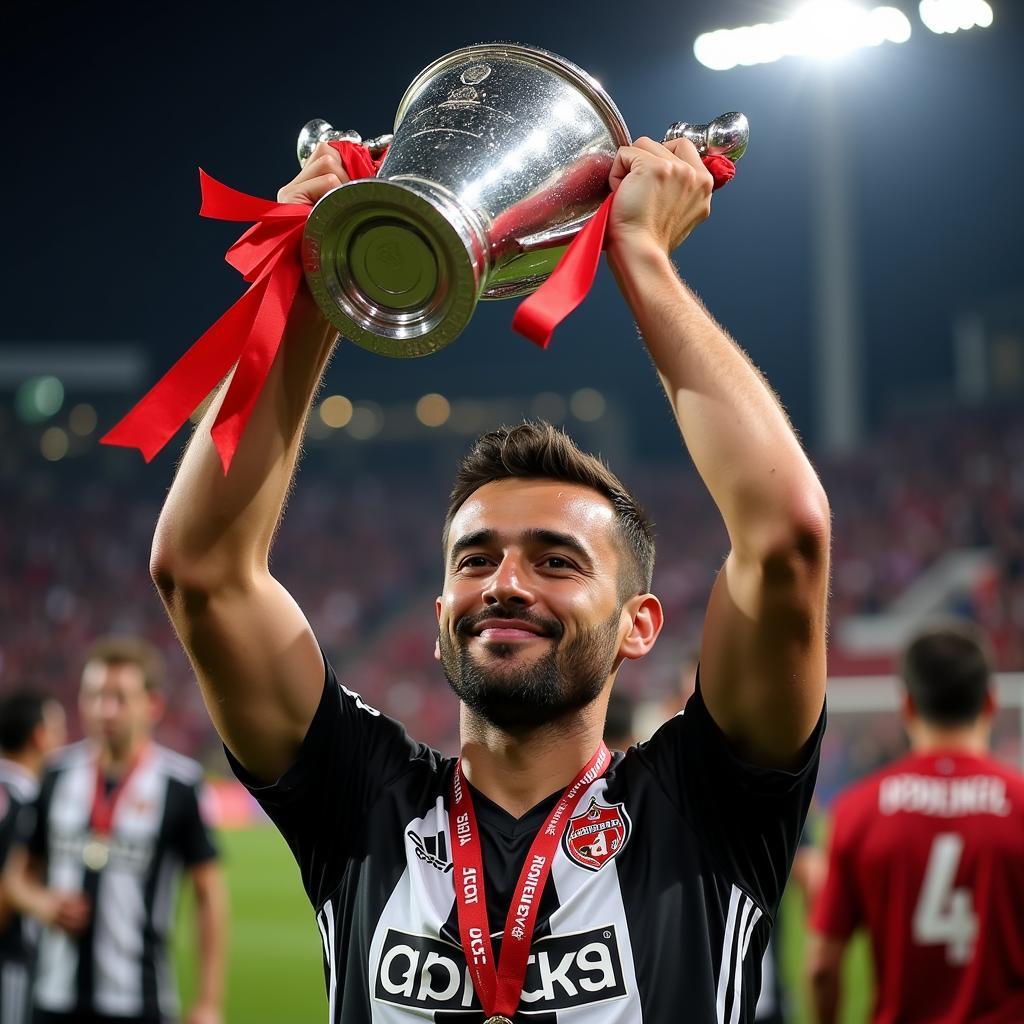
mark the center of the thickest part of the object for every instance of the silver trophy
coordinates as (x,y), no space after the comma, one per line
(500,154)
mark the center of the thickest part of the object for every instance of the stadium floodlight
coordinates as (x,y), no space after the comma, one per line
(821,29)
(955,15)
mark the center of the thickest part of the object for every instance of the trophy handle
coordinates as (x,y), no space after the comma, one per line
(318,130)
(727,135)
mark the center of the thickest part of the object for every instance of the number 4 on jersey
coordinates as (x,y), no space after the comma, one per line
(945,915)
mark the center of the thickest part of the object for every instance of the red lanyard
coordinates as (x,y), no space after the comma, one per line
(101,819)
(499,989)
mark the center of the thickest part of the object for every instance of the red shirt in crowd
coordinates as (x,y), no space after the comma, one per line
(928,856)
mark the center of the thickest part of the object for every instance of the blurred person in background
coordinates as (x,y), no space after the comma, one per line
(116,821)
(927,855)
(619,730)
(32,727)
(546,592)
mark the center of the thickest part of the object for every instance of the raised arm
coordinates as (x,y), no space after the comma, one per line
(763,651)
(253,651)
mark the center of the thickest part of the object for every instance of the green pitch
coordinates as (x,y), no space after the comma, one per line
(275,966)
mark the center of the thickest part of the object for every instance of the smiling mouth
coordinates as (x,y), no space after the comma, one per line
(508,634)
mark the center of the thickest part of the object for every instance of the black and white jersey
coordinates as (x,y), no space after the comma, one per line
(18,788)
(119,966)
(657,908)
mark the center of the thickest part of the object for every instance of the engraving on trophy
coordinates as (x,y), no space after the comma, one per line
(476,74)
(465,93)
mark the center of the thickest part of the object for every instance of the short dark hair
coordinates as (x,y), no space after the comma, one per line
(946,669)
(21,713)
(130,650)
(536,450)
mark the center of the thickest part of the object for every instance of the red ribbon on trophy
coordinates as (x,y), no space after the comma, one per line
(249,334)
(540,313)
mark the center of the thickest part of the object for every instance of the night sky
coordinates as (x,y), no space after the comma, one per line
(108,114)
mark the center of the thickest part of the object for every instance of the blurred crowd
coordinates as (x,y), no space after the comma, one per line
(362,556)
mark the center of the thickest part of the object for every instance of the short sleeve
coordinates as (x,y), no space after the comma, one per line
(350,756)
(836,911)
(748,818)
(193,838)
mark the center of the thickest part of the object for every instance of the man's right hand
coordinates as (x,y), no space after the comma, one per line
(68,911)
(323,172)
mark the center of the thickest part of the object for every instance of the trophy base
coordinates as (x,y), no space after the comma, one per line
(395,265)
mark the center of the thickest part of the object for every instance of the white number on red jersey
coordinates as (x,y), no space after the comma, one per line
(945,916)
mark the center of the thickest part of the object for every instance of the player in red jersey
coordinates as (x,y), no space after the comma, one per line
(928,856)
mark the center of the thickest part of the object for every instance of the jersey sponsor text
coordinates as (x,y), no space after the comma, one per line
(563,972)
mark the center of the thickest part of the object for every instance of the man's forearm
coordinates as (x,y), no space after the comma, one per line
(734,428)
(25,891)
(211,930)
(825,995)
(220,524)
(824,975)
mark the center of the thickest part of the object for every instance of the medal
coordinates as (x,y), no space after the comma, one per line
(499,987)
(95,853)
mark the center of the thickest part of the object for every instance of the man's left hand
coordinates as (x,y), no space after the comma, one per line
(662,192)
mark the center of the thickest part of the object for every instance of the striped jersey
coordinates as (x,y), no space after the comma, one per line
(18,788)
(119,966)
(659,901)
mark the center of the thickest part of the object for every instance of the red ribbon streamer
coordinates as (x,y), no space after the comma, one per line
(104,804)
(570,282)
(248,334)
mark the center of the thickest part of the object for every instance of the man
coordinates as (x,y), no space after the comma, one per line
(928,856)
(628,887)
(32,726)
(117,820)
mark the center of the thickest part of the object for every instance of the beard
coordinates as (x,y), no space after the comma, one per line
(519,697)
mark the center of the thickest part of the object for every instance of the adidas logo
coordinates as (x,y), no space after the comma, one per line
(432,849)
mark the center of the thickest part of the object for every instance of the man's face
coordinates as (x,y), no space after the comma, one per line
(115,706)
(530,621)
(53,732)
